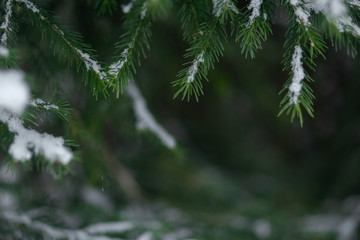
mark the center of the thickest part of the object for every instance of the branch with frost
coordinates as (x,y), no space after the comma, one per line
(254,7)
(133,44)
(145,120)
(335,11)
(39,103)
(205,50)
(92,232)
(222,6)
(298,75)
(14,97)
(126,8)
(193,70)
(69,44)
(5,26)
(302,13)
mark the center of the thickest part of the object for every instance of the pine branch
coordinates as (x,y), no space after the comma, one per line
(303,44)
(6,25)
(68,44)
(254,28)
(135,40)
(206,48)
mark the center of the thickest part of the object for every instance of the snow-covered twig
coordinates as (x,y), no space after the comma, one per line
(255,6)
(14,97)
(145,119)
(220,6)
(194,68)
(90,63)
(5,26)
(127,7)
(302,14)
(41,103)
(93,232)
(298,75)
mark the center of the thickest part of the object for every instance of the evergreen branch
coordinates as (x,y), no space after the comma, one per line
(105,6)
(135,40)
(60,107)
(5,26)
(255,27)
(303,44)
(224,7)
(191,13)
(205,49)
(69,44)
(28,142)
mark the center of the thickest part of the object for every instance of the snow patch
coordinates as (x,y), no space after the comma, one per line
(255,6)
(14,92)
(194,68)
(145,120)
(298,75)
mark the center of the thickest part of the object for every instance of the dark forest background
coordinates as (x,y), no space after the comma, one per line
(238,172)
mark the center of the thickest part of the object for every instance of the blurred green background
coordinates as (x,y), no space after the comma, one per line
(238,172)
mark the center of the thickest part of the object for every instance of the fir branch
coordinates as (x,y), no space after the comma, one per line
(205,49)
(303,44)
(192,13)
(60,108)
(255,27)
(221,7)
(5,26)
(69,44)
(134,42)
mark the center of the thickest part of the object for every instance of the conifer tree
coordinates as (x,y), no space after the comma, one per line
(313,26)
(206,29)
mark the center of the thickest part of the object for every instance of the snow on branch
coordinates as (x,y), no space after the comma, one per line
(220,6)
(90,63)
(145,120)
(255,6)
(302,14)
(94,232)
(5,26)
(41,103)
(194,68)
(127,7)
(14,97)
(116,67)
(298,75)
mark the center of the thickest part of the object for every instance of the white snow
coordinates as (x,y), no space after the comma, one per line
(41,103)
(115,68)
(302,13)
(145,236)
(109,227)
(6,24)
(29,5)
(4,51)
(28,142)
(355,3)
(144,10)
(127,7)
(220,6)
(145,120)
(255,6)
(14,97)
(194,68)
(298,75)
(262,228)
(91,64)
(14,92)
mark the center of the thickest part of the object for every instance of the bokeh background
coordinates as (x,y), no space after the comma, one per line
(239,171)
